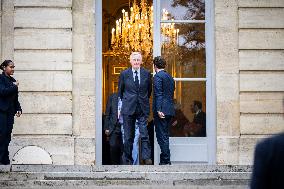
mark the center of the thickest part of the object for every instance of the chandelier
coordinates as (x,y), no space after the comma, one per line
(134,31)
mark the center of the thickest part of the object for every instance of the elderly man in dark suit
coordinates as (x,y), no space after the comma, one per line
(163,107)
(268,169)
(135,87)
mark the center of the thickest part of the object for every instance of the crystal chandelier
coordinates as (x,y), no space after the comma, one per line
(134,31)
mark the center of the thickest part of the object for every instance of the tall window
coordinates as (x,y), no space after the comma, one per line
(183,46)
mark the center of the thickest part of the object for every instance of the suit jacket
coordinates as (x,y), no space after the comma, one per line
(129,93)
(268,170)
(200,119)
(111,114)
(164,87)
(8,95)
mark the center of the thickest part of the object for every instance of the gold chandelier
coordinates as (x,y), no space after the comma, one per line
(134,31)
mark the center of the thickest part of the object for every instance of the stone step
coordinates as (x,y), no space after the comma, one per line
(174,176)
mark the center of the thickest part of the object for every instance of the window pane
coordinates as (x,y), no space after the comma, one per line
(183,47)
(190,106)
(183,9)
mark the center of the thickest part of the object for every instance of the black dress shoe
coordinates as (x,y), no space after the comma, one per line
(4,163)
(162,163)
(148,162)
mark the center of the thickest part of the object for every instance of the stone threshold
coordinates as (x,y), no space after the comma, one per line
(54,176)
(126,168)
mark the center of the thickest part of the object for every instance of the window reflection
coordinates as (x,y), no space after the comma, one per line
(184,9)
(190,108)
(185,56)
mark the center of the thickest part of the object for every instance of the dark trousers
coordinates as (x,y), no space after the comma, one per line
(129,134)
(162,133)
(6,126)
(116,146)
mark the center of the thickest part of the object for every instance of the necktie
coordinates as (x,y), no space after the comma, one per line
(136,79)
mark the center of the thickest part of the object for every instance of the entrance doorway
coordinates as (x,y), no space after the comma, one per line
(183,34)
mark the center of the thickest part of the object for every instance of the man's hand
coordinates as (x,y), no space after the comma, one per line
(174,123)
(19,113)
(161,115)
(16,83)
(107,132)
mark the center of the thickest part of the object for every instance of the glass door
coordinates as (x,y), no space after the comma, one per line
(182,37)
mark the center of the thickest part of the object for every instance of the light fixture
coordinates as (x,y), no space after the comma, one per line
(134,31)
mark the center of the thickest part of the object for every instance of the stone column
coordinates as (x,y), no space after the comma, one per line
(227,81)
(84,85)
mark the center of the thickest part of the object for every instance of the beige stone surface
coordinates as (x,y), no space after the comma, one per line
(45,18)
(43,59)
(84,116)
(262,102)
(261,3)
(84,78)
(261,39)
(261,18)
(228,120)
(83,20)
(85,151)
(32,155)
(83,49)
(247,146)
(43,3)
(226,36)
(261,124)
(46,102)
(44,80)
(44,124)
(261,81)
(227,81)
(227,150)
(61,148)
(83,69)
(83,6)
(261,59)
(227,87)
(7,32)
(43,39)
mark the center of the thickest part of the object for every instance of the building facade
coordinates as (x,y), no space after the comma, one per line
(57,48)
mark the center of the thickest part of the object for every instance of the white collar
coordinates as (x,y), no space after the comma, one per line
(198,111)
(138,71)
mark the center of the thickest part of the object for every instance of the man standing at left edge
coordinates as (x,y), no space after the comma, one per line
(134,89)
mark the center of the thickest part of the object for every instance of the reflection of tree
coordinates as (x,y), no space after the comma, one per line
(195,8)
(189,54)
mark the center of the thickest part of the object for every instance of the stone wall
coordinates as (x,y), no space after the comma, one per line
(249,74)
(52,42)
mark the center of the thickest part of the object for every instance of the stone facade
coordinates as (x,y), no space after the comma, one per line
(53,45)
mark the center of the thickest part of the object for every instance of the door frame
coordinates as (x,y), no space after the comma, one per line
(98,13)
(210,75)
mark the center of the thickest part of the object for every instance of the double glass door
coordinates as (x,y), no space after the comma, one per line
(183,34)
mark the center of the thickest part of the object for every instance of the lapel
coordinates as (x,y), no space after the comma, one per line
(143,75)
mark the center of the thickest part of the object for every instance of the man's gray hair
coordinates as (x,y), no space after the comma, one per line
(134,54)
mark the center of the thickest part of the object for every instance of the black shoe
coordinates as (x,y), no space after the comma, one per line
(4,163)
(162,163)
(148,162)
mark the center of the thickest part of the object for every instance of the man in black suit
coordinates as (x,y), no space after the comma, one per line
(199,119)
(268,169)
(163,107)
(135,87)
(112,127)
